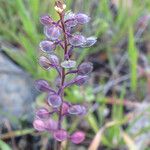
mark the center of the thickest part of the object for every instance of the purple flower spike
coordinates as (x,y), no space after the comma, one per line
(85,68)
(90,41)
(60,135)
(52,32)
(39,125)
(54,60)
(54,100)
(77,137)
(68,64)
(44,62)
(47,46)
(46,20)
(77,110)
(42,113)
(80,80)
(77,40)
(82,18)
(42,86)
(51,125)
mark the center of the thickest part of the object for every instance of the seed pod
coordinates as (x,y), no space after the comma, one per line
(77,40)
(46,20)
(85,68)
(44,62)
(82,18)
(52,32)
(77,137)
(54,100)
(47,46)
(60,135)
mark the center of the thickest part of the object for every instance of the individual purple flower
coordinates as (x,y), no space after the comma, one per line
(70,20)
(54,60)
(51,125)
(80,80)
(43,86)
(85,68)
(42,113)
(90,41)
(60,135)
(39,125)
(46,20)
(44,62)
(52,32)
(77,110)
(77,40)
(82,18)
(47,46)
(77,137)
(68,64)
(54,100)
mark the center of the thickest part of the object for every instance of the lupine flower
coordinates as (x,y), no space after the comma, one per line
(46,20)
(77,137)
(54,100)
(47,46)
(85,68)
(82,18)
(42,113)
(52,32)
(44,62)
(77,40)
(59,33)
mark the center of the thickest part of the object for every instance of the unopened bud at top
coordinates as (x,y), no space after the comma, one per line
(59,6)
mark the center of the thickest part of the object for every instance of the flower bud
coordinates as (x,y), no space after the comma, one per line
(80,80)
(90,41)
(54,100)
(53,60)
(44,62)
(68,64)
(42,113)
(46,20)
(47,46)
(77,40)
(52,32)
(60,135)
(77,110)
(82,18)
(60,6)
(39,125)
(42,85)
(85,68)
(77,137)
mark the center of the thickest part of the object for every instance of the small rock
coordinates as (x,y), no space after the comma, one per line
(16,91)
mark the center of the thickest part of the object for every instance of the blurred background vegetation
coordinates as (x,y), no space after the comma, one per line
(118,92)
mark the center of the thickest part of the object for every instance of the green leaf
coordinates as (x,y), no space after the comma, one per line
(4,146)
